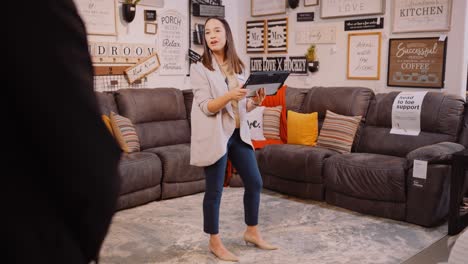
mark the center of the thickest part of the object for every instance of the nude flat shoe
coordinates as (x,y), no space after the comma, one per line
(260,244)
(226,257)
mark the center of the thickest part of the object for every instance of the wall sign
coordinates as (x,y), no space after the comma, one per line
(255,36)
(406,113)
(277,30)
(173,40)
(364,56)
(150,15)
(306,16)
(111,52)
(345,8)
(296,65)
(315,34)
(151,28)
(416,62)
(311,2)
(419,16)
(98,16)
(362,24)
(194,56)
(267,7)
(142,69)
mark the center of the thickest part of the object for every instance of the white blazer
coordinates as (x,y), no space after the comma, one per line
(211,131)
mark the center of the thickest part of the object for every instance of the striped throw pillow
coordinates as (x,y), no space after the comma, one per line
(338,131)
(271,122)
(125,133)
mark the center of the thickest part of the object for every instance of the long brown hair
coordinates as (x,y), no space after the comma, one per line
(233,60)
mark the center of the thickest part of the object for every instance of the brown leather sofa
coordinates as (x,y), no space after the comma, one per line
(376,177)
(161,169)
(298,169)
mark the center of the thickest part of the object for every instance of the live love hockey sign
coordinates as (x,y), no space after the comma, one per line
(295,65)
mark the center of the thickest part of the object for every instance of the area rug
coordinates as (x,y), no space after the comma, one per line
(307,232)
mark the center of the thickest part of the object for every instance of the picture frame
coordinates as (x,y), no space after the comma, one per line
(150,15)
(364,56)
(151,28)
(417,62)
(267,7)
(255,40)
(349,8)
(99,17)
(405,19)
(277,35)
(311,2)
(143,69)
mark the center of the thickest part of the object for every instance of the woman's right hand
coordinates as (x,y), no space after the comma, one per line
(237,93)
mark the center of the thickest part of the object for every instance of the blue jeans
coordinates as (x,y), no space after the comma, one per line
(243,159)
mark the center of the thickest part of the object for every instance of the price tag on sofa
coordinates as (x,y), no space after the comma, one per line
(419,172)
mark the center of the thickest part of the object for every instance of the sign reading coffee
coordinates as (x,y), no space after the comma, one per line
(416,62)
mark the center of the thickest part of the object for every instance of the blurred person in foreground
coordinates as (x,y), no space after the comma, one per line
(61,194)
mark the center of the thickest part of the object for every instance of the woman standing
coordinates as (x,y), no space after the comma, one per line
(220,131)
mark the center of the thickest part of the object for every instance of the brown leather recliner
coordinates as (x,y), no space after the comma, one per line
(377,178)
(161,169)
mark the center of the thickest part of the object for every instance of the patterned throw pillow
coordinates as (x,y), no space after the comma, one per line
(338,132)
(125,133)
(271,122)
(107,122)
(302,128)
(255,122)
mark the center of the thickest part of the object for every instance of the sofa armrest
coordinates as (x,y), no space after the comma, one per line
(435,153)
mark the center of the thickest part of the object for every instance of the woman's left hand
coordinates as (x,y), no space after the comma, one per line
(259,96)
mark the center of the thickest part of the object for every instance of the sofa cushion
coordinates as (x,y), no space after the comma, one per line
(295,98)
(302,128)
(294,162)
(441,120)
(124,132)
(106,102)
(464,130)
(176,164)
(349,101)
(255,122)
(367,176)
(279,99)
(107,122)
(159,115)
(338,131)
(272,122)
(138,171)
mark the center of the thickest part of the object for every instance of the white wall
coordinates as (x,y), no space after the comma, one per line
(134,33)
(332,57)
(333,64)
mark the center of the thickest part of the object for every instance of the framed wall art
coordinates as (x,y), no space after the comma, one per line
(417,62)
(277,32)
(150,15)
(98,16)
(151,28)
(267,7)
(364,56)
(420,16)
(255,40)
(342,8)
(311,2)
